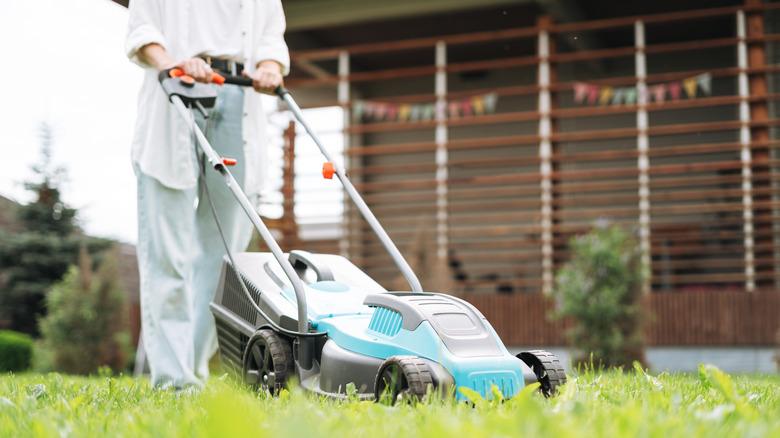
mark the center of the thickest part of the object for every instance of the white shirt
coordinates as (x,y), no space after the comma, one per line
(162,146)
(219,29)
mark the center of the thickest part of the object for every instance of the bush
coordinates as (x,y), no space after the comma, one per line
(15,351)
(600,290)
(86,324)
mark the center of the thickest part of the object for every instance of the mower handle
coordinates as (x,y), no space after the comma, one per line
(216,78)
(331,169)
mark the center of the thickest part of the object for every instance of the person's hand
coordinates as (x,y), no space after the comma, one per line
(266,77)
(197,68)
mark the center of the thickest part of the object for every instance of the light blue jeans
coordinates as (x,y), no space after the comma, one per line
(180,254)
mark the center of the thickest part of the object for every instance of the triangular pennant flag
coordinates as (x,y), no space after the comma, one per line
(478,104)
(491,100)
(428,111)
(605,96)
(674,90)
(380,111)
(659,92)
(368,110)
(617,96)
(629,95)
(403,112)
(414,114)
(453,109)
(593,94)
(690,87)
(580,91)
(392,112)
(465,107)
(357,110)
(705,82)
(441,110)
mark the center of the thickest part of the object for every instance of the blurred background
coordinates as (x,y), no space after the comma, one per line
(485,134)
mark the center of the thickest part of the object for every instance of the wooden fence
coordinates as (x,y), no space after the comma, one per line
(674,319)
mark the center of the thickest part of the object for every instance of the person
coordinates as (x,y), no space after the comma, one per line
(179,249)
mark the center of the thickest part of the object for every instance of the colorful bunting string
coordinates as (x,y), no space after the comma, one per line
(607,95)
(369,111)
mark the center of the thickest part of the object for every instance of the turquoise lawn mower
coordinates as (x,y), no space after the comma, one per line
(319,319)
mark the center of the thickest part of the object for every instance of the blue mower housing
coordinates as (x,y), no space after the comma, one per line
(357,328)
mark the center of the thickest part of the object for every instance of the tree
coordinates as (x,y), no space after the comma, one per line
(33,259)
(86,323)
(600,290)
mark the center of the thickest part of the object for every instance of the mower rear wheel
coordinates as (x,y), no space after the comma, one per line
(268,361)
(547,368)
(405,378)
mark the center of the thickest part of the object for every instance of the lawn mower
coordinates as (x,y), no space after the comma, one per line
(319,319)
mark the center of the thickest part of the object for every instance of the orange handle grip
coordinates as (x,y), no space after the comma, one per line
(179,73)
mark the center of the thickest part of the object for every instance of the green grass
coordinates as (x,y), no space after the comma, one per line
(609,404)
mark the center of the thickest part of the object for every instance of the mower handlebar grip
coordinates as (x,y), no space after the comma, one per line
(219,79)
(244,81)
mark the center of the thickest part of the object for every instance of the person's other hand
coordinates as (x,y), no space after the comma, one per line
(197,68)
(266,77)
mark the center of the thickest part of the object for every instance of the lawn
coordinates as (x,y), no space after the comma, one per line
(592,404)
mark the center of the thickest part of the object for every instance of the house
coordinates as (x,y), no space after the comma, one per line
(490,132)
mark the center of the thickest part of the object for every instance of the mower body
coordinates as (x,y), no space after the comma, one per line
(359,324)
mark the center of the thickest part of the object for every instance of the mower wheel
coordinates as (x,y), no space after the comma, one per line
(268,361)
(405,378)
(547,368)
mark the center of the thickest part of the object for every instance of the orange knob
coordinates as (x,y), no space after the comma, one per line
(328,170)
(229,161)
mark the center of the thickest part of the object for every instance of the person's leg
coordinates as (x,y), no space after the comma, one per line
(165,230)
(224,134)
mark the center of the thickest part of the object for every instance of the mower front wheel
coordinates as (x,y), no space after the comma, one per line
(405,378)
(268,361)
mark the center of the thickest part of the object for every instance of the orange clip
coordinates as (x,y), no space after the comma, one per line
(229,161)
(328,170)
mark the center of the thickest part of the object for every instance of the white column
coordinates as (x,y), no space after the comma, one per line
(545,158)
(745,153)
(344,101)
(643,161)
(441,150)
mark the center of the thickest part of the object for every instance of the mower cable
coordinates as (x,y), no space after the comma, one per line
(239,277)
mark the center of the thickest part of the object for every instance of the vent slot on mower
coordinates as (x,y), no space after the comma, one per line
(234,298)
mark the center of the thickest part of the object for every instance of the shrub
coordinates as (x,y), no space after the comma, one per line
(15,351)
(600,290)
(86,324)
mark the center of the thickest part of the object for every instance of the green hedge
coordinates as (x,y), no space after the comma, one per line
(15,351)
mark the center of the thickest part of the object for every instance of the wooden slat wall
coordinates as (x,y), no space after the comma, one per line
(675,319)
(697,208)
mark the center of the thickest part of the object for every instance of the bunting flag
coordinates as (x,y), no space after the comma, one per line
(592,94)
(690,85)
(402,112)
(605,96)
